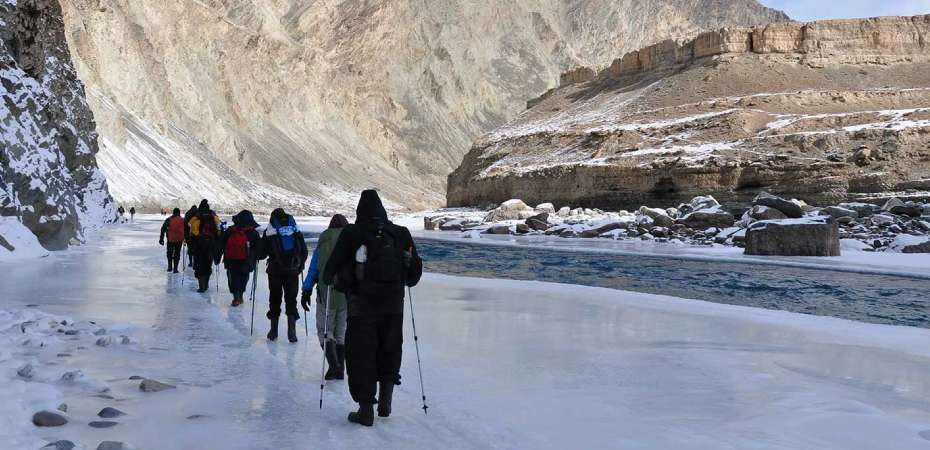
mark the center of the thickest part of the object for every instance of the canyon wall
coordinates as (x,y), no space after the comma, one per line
(49,180)
(822,111)
(304,102)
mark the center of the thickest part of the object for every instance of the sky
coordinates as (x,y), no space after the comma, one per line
(806,10)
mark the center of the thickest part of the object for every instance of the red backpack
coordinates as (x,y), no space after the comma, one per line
(175,229)
(237,245)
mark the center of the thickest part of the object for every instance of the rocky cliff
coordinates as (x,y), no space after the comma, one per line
(265,101)
(49,179)
(821,111)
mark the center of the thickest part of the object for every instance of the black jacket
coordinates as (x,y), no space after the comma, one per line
(281,263)
(243,220)
(365,297)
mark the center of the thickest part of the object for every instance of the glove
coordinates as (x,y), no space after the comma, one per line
(305,300)
(161,242)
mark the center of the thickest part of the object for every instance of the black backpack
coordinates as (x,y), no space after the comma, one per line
(385,264)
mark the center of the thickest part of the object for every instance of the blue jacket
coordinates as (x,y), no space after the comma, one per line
(313,272)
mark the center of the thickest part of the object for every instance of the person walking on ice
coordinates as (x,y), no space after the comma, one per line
(283,244)
(204,231)
(132,214)
(331,322)
(175,228)
(373,261)
(239,248)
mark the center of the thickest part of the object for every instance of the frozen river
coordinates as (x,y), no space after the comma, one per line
(886,299)
(508,364)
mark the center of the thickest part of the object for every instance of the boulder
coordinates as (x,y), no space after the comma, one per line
(794,237)
(564,211)
(710,218)
(906,243)
(548,208)
(909,209)
(510,210)
(110,413)
(601,229)
(760,212)
(891,203)
(539,222)
(837,212)
(498,229)
(451,225)
(103,424)
(659,216)
(113,445)
(789,208)
(522,228)
(48,419)
(59,445)
(862,209)
(149,385)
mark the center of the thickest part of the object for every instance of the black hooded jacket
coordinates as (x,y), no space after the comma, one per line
(242,221)
(365,296)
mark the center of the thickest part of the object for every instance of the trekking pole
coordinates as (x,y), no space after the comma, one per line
(217,277)
(416,344)
(184,260)
(254,283)
(329,293)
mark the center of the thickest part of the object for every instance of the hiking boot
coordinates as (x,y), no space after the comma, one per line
(203,284)
(237,300)
(385,394)
(364,416)
(332,360)
(291,329)
(169,266)
(341,357)
(273,332)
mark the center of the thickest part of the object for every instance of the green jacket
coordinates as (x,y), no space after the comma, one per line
(325,248)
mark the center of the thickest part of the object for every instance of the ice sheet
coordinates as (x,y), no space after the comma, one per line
(507,365)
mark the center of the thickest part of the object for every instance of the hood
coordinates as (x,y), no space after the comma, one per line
(244,219)
(370,208)
(338,221)
(204,206)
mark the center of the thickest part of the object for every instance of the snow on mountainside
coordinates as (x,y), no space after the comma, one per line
(318,97)
(49,179)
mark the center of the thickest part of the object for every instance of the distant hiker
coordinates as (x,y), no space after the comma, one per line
(331,332)
(204,232)
(121,211)
(283,244)
(239,248)
(164,211)
(175,228)
(132,213)
(187,234)
(373,261)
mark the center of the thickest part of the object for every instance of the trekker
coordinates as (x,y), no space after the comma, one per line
(283,244)
(132,214)
(373,261)
(239,248)
(187,234)
(175,228)
(121,211)
(204,232)
(333,345)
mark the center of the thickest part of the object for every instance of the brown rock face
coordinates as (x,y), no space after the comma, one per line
(272,100)
(820,111)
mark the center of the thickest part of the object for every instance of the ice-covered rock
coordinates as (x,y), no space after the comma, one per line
(110,413)
(659,216)
(548,208)
(59,445)
(813,236)
(513,209)
(838,212)
(149,385)
(906,243)
(707,218)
